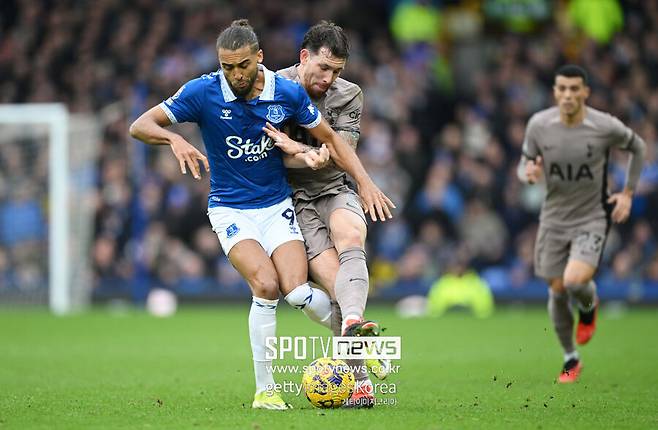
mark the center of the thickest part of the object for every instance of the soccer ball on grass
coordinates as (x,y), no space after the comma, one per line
(328,383)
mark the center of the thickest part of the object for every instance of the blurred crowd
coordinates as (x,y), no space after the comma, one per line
(448,85)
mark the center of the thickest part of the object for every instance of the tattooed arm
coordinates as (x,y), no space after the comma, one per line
(351,137)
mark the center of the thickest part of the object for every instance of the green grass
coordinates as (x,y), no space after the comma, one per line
(102,370)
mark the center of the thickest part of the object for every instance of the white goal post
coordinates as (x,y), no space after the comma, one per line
(61,294)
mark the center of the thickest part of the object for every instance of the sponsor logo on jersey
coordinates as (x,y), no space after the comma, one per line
(570,172)
(226,114)
(355,114)
(275,113)
(253,151)
(232,230)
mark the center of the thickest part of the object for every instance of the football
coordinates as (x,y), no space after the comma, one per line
(328,383)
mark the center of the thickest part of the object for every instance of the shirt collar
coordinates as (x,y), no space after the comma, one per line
(268,87)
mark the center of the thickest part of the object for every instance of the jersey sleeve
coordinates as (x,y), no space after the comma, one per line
(185,105)
(349,118)
(620,136)
(306,114)
(530,149)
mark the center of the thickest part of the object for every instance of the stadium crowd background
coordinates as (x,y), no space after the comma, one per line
(449,86)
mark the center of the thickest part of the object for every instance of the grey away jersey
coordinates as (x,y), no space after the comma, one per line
(341,107)
(575,163)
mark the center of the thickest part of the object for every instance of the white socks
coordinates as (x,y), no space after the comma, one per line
(571,356)
(315,303)
(262,324)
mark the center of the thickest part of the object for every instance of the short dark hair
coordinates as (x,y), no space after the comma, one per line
(328,35)
(237,35)
(573,71)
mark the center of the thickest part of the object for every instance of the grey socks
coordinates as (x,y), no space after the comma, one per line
(560,313)
(352,282)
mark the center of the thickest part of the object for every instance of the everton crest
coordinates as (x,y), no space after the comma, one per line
(275,114)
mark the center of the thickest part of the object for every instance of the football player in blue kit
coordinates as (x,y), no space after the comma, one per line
(249,204)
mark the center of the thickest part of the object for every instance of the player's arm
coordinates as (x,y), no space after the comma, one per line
(624,199)
(297,155)
(530,168)
(150,129)
(293,147)
(374,200)
(351,137)
(637,148)
(529,171)
(314,158)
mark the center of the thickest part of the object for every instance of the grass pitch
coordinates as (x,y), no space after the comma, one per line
(131,370)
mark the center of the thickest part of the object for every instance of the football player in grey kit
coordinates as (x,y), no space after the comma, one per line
(330,214)
(569,145)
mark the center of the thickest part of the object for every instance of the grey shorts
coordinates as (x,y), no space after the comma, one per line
(313,217)
(556,246)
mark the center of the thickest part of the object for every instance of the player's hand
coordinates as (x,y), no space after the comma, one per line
(374,201)
(317,159)
(534,169)
(622,202)
(188,154)
(282,141)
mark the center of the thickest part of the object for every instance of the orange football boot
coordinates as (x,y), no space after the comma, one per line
(570,371)
(586,325)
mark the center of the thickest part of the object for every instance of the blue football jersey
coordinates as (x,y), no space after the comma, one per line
(246,169)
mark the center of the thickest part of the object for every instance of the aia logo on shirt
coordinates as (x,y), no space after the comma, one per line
(570,172)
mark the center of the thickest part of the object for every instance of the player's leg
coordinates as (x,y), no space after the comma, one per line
(314,302)
(348,228)
(241,241)
(578,282)
(551,256)
(348,232)
(585,256)
(251,261)
(323,268)
(289,259)
(559,310)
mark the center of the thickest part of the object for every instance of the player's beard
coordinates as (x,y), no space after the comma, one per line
(315,90)
(241,92)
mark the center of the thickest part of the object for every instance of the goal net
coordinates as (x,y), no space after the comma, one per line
(47,191)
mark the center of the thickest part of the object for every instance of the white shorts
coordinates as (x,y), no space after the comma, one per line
(271,226)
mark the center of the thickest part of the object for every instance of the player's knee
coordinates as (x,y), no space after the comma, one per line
(300,296)
(292,279)
(556,285)
(574,280)
(349,238)
(264,286)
